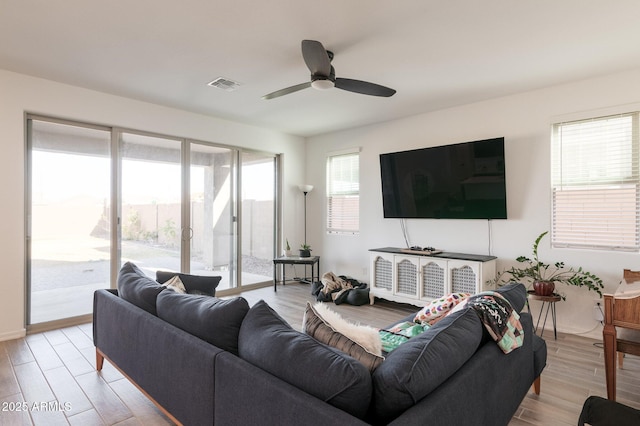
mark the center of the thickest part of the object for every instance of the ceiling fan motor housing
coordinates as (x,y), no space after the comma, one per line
(324,82)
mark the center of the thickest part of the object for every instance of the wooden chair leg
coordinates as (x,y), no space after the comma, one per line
(609,340)
(620,359)
(536,385)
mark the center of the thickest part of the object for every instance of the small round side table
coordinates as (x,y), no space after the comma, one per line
(551,305)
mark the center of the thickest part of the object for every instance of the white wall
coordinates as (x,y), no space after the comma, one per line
(524,120)
(20,94)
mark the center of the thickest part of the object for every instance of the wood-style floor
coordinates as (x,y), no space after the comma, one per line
(49,378)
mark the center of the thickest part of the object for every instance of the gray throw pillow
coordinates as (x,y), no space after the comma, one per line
(195,284)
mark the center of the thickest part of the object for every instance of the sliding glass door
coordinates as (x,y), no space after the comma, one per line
(178,205)
(68,234)
(212,235)
(151,202)
(258,207)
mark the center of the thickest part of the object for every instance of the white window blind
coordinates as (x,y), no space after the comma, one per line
(595,183)
(343,193)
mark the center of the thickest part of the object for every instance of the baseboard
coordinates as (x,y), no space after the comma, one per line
(238,290)
(11,335)
(61,323)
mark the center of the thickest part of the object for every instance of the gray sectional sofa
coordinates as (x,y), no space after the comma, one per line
(205,360)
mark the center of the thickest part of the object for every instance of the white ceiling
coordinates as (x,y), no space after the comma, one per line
(435,53)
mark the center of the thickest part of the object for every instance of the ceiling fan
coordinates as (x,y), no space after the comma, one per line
(323,75)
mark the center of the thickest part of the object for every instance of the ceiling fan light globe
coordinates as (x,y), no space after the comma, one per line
(322,84)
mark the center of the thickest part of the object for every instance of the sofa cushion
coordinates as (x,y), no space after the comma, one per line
(195,284)
(213,320)
(137,288)
(515,293)
(421,364)
(360,342)
(267,341)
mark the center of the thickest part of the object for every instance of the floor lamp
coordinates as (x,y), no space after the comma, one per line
(305,189)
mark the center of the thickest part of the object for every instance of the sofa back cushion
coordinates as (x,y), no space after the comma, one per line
(195,284)
(515,293)
(213,320)
(420,365)
(137,288)
(270,343)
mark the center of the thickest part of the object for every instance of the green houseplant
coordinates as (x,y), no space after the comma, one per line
(543,276)
(305,250)
(287,248)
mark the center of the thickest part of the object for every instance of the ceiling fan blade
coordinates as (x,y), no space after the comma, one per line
(316,58)
(364,87)
(287,90)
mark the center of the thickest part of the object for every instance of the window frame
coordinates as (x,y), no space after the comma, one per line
(595,194)
(345,198)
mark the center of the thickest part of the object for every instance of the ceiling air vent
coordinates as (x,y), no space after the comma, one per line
(224,84)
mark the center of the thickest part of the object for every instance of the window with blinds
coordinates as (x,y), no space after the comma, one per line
(343,193)
(595,180)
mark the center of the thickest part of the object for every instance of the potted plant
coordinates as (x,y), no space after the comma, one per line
(305,250)
(287,248)
(543,276)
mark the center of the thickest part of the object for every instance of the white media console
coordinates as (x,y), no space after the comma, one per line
(419,278)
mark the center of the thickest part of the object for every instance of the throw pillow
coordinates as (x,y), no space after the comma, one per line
(267,341)
(343,335)
(195,284)
(439,308)
(137,288)
(214,320)
(394,336)
(176,285)
(364,335)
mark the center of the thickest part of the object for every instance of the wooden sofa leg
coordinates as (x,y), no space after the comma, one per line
(536,385)
(99,360)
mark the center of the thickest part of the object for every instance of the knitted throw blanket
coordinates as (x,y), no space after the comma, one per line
(499,318)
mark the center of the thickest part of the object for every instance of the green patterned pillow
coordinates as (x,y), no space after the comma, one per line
(400,333)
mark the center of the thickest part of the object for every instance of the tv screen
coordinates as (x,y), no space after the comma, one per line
(461,181)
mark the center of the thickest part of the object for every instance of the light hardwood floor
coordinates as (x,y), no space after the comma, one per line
(58,367)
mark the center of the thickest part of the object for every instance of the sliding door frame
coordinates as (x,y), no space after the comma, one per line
(116,207)
(28,209)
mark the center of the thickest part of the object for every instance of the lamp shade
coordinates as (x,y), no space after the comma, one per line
(305,188)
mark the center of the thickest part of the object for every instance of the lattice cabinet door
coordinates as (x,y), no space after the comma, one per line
(464,276)
(382,272)
(406,269)
(434,278)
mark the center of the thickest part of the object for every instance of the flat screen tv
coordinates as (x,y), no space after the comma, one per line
(460,181)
